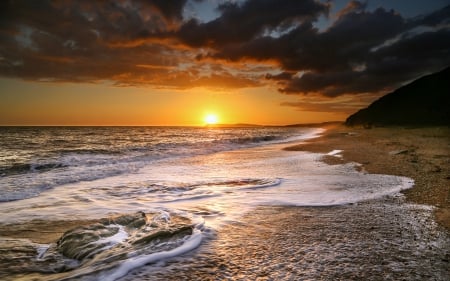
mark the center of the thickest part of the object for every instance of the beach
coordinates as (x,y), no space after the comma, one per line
(394,238)
(387,238)
(422,154)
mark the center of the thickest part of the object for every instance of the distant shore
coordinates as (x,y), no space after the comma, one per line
(422,154)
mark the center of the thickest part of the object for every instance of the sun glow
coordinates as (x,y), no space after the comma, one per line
(211,119)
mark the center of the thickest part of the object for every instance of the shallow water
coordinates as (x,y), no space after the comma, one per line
(377,240)
(205,186)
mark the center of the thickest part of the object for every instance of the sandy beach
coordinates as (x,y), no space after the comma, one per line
(422,154)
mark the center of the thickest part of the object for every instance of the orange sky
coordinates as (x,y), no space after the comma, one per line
(92,104)
(271,62)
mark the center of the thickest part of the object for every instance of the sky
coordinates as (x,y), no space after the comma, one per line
(160,62)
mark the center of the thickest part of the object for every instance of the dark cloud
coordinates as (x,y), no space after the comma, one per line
(170,9)
(370,69)
(139,42)
(348,41)
(441,16)
(89,41)
(242,22)
(361,52)
(280,76)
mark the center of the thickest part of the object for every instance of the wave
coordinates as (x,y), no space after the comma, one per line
(252,139)
(23,186)
(20,168)
(75,159)
(164,192)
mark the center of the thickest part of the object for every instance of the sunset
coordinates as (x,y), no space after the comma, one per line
(211,119)
(224,140)
(164,62)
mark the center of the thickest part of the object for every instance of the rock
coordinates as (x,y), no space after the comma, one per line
(164,234)
(135,221)
(135,231)
(82,242)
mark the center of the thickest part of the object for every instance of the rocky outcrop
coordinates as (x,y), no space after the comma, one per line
(134,230)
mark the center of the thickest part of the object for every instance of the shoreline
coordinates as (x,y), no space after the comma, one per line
(422,154)
(311,242)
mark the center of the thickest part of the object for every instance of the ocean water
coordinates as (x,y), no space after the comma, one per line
(156,193)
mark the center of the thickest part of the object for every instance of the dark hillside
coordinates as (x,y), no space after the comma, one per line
(423,102)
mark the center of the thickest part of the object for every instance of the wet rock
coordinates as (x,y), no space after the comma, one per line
(137,230)
(164,234)
(16,254)
(135,220)
(82,242)
(88,249)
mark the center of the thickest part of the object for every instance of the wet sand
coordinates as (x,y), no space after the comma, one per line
(377,240)
(422,154)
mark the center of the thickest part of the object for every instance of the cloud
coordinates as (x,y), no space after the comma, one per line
(170,9)
(438,17)
(250,43)
(352,6)
(333,59)
(344,59)
(127,42)
(242,22)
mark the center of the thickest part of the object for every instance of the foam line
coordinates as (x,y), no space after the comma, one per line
(193,242)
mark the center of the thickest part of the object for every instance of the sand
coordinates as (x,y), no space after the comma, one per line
(422,154)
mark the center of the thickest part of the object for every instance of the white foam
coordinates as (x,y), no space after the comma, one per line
(313,133)
(276,177)
(162,216)
(335,152)
(191,243)
(117,238)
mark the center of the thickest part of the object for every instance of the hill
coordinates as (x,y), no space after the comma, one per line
(423,102)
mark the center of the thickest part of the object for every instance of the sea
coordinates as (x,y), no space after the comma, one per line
(158,200)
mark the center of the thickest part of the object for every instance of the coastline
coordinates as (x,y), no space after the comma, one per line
(422,154)
(286,242)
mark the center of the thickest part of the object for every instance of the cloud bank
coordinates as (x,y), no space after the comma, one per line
(275,43)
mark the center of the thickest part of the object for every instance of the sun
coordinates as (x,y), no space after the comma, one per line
(211,119)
